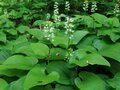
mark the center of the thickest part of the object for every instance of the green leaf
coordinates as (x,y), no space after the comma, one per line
(89,21)
(36,76)
(11,31)
(65,74)
(113,33)
(4,70)
(23,29)
(61,87)
(20,62)
(57,54)
(61,40)
(4,54)
(16,85)
(39,5)
(19,42)
(20,39)
(38,22)
(89,81)
(100,19)
(77,36)
(114,22)
(3,84)
(108,50)
(115,82)
(37,33)
(87,41)
(38,50)
(2,37)
(85,57)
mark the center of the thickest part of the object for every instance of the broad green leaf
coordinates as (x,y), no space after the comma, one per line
(15,14)
(115,82)
(102,19)
(37,33)
(9,72)
(11,31)
(85,57)
(3,84)
(61,40)
(89,21)
(114,22)
(23,29)
(38,50)
(20,39)
(16,85)
(61,87)
(19,42)
(113,33)
(57,54)
(2,37)
(77,36)
(8,46)
(38,22)
(39,5)
(36,76)
(8,24)
(108,50)
(89,81)
(4,54)
(87,41)
(66,75)
(20,62)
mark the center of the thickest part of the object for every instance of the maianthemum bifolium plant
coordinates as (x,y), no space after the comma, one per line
(59,45)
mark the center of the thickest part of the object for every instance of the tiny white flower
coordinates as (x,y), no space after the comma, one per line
(85,5)
(48,38)
(67,6)
(87,61)
(49,32)
(116,9)
(69,27)
(56,12)
(94,6)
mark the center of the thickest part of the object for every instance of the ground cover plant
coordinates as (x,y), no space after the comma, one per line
(59,45)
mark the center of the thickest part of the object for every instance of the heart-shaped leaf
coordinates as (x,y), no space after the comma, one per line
(89,81)
(20,62)
(66,75)
(36,76)
(83,58)
(108,50)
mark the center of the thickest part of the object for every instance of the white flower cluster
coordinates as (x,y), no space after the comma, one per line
(94,6)
(69,54)
(56,12)
(69,27)
(67,6)
(85,5)
(116,9)
(49,31)
(48,16)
